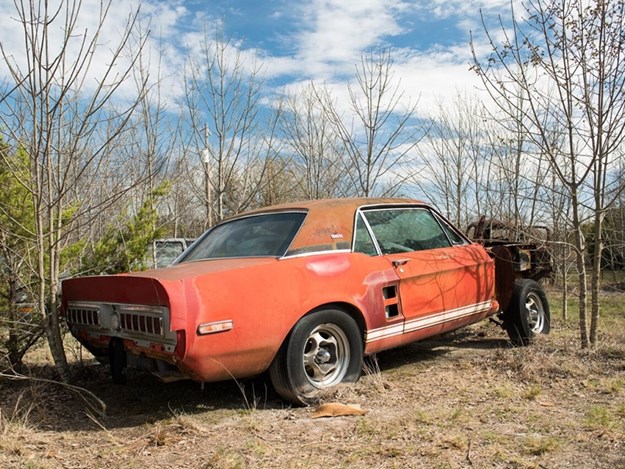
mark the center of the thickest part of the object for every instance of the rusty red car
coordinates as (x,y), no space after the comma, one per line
(303,290)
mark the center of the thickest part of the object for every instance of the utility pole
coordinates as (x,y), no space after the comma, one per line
(206,157)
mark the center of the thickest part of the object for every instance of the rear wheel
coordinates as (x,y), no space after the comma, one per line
(324,349)
(528,313)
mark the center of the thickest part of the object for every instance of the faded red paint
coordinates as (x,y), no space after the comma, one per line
(265,297)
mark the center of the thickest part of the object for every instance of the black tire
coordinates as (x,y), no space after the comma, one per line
(324,349)
(528,313)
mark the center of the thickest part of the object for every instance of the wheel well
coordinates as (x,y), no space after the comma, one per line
(347,308)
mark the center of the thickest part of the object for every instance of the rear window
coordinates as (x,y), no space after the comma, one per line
(264,235)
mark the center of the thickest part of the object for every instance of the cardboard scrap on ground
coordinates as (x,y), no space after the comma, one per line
(334,409)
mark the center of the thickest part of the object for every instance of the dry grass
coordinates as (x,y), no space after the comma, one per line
(464,400)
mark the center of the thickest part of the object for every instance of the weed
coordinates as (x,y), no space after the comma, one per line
(374,377)
(18,417)
(252,401)
(422,417)
(537,445)
(503,392)
(224,458)
(389,451)
(159,435)
(457,414)
(606,385)
(184,424)
(365,427)
(457,441)
(249,422)
(532,392)
(257,448)
(492,437)
(598,418)
(15,424)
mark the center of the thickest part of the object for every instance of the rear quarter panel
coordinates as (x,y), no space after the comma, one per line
(266,301)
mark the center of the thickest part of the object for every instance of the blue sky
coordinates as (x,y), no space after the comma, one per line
(322,40)
(297,41)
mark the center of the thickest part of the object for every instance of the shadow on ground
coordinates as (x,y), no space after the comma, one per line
(146,400)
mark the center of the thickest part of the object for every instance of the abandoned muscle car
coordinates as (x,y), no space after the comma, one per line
(304,290)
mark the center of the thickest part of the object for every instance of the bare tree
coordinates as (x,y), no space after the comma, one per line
(454,155)
(223,93)
(63,117)
(152,142)
(314,146)
(563,70)
(380,132)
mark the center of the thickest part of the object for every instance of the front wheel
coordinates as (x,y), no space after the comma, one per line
(528,314)
(324,349)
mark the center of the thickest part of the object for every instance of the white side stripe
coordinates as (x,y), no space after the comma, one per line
(429,321)
(384,332)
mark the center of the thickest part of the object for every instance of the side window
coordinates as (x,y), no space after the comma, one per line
(406,230)
(452,234)
(363,242)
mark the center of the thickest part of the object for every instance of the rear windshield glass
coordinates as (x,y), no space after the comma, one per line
(266,235)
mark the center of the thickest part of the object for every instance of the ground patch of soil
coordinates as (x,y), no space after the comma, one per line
(467,399)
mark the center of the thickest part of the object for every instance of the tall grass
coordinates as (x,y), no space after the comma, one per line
(14,421)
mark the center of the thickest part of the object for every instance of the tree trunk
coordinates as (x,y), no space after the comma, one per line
(581,273)
(596,279)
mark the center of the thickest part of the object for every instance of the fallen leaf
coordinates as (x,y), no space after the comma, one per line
(334,409)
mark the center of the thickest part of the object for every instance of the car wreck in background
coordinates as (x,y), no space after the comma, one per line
(530,245)
(518,253)
(163,252)
(305,291)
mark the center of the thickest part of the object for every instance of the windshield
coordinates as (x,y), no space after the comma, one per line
(265,235)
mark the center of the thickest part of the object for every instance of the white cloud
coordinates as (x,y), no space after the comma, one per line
(162,19)
(326,39)
(467,9)
(334,33)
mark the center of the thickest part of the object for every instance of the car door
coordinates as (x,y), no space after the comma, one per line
(442,275)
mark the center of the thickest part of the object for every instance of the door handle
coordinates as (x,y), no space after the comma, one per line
(398,262)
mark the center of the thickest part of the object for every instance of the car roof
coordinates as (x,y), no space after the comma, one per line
(329,224)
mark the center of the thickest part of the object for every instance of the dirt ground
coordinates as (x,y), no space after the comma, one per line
(467,399)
